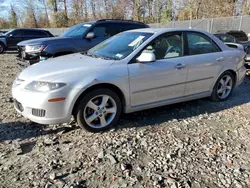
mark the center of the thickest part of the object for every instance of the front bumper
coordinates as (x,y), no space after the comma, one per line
(25,59)
(36,107)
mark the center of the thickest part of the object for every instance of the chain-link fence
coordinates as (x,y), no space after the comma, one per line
(212,25)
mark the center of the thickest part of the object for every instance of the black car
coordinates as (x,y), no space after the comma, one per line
(231,39)
(2,32)
(9,40)
(78,38)
(239,35)
(228,39)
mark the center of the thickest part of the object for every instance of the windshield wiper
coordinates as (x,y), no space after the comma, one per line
(97,56)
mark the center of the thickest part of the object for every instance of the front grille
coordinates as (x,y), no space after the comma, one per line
(38,112)
(18,105)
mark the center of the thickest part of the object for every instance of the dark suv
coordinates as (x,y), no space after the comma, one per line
(78,38)
(9,40)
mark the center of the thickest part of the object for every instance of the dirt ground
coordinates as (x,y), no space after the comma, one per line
(196,144)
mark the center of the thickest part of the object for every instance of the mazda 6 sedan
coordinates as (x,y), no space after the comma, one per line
(132,71)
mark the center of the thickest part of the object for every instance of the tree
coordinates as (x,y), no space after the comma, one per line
(46,20)
(53,3)
(13,17)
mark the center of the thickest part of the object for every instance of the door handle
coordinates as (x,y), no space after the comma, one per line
(180,66)
(220,59)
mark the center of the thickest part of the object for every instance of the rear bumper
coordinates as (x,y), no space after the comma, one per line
(241,73)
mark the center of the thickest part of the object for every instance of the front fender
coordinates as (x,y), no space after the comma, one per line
(3,40)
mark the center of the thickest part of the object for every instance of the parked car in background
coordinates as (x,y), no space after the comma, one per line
(2,32)
(134,70)
(77,39)
(9,40)
(241,36)
(231,41)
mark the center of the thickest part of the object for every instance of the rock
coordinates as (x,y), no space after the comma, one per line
(144,143)
(48,185)
(111,158)
(237,184)
(52,176)
(170,180)
(126,167)
(101,154)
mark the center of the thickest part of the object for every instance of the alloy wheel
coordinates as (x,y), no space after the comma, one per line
(225,87)
(100,111)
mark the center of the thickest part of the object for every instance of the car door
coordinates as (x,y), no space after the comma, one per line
(101,32)
(28,34)
(203,62)
(14,38)
(163,79)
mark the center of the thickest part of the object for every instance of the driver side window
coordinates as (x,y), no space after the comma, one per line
(166,46)
(17,33)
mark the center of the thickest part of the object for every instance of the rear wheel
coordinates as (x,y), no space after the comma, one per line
(98,110)
(2,48)
(223,87)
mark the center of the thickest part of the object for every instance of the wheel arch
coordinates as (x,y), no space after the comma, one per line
(112,87)
(228,70)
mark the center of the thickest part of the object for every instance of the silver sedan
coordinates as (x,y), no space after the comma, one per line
(132,71)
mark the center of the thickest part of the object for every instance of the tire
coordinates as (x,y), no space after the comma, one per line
(92,118)
(2,48)
(219,89)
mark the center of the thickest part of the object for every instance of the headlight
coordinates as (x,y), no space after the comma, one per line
(35,48)
(43,86)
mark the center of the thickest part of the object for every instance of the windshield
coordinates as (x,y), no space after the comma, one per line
(119,46)
(7,32)
(76,31)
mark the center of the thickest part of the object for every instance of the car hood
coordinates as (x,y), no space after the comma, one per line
(55,68)
(44,41)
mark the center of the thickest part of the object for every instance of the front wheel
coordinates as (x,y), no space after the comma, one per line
(223,87)
(2,48)
(98,110)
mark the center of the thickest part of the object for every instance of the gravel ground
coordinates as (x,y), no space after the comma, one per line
(196,144)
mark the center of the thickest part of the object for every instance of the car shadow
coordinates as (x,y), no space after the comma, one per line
(23,130)
(185,110)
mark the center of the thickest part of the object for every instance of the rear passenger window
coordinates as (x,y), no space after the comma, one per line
(40,33)
(199,44)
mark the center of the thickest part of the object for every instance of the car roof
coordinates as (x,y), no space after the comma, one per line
(30,29)
(164,30)
(113,21)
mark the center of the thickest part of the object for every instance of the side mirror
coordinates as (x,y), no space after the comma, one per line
(146,57)
(10,35)
(90,35)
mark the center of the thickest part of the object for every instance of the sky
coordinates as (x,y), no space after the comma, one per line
(4,7)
